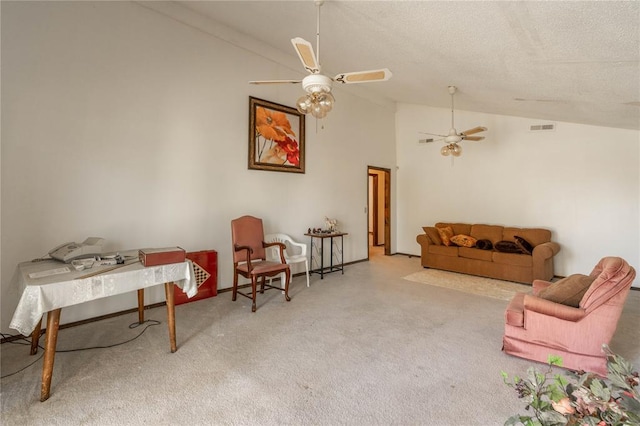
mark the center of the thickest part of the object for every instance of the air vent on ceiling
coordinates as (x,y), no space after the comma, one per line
(542,127)
(425,140)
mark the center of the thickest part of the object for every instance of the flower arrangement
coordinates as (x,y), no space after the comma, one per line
(279,144)
(586,400)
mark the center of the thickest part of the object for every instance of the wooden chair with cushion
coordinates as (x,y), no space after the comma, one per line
(249,258)
(571,318)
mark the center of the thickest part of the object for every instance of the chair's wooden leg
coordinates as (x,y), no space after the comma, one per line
(254,283)
(286,285)
(140,306)
(53,323)
(35,337)
(171,314)
(262,281)
(235,286)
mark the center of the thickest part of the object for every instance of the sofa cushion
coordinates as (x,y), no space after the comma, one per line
(458,228)
(512,259)
(524,246)
(462,240)
(433,234)
(444,250)
(569,290)
(484,245)
(492,233)
(474,253)
(445,232)
(507,247)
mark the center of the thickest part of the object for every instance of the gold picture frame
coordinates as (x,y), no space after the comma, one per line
(276,137)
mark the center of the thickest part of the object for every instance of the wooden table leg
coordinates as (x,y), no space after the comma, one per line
(171,315)
(35,337)
(141,306)
(53,322)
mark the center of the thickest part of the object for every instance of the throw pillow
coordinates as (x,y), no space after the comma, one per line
(445,235)
(463,240)
(484,245)
(433,235)
(507,247)
(568,291)
(523,245)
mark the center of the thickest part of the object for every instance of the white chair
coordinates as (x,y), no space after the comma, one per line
(295,252)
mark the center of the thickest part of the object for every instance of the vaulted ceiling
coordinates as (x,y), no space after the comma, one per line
(574,61)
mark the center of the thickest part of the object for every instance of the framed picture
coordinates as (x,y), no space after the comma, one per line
(276,137)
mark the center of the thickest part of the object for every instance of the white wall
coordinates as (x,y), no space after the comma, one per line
(580,181)
(120,122)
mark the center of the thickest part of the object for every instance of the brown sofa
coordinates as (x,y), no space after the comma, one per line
(516,267)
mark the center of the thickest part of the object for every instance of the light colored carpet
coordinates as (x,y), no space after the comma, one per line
(363,348)
(497,289)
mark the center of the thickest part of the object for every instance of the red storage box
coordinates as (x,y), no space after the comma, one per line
(205,267)
(161,256)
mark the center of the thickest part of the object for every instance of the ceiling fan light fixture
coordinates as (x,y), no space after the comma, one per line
(317,104)
(451,149)
(318,100)
(316,83)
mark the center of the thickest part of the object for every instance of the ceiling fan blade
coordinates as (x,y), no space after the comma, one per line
(274,81)
(474,130)
(363,76)
(472,138)
(304,49)
(432,134)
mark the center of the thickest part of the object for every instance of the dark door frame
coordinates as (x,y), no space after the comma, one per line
(374,213)
(387,207)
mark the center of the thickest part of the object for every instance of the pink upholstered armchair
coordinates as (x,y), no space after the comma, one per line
(536,327)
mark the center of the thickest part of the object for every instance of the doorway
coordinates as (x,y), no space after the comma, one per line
(378,210)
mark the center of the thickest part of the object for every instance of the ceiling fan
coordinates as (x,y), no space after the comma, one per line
(453,138)
(319,101)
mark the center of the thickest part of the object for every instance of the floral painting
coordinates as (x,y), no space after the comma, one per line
(276,137)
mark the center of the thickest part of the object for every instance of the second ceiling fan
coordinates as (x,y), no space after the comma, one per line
(452,139)
(319,101)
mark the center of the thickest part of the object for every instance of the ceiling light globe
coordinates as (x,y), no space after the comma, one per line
(326,101)
(456,151)
(304,104)
(318,111)
(445,150)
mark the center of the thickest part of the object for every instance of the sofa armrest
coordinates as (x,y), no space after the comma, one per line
(539,285)
(545,250)
(552,309)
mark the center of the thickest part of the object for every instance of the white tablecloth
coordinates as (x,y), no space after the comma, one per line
(41,295)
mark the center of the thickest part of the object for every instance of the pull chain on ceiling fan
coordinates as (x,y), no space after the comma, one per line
(318,100)
(453,138)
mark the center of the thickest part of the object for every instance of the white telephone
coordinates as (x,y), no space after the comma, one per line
(69,251)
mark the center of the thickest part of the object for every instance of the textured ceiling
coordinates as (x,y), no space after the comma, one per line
(573,61)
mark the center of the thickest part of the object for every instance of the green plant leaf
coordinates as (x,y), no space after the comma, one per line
(555,360)
(600,390)
(556,393)
(553,418)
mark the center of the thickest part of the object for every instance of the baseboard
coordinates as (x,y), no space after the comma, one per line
(409,255)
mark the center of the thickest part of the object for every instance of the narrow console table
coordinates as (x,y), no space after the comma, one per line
(333,237)
(48,286)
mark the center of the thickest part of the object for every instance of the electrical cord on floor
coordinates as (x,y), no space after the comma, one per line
(27,342)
